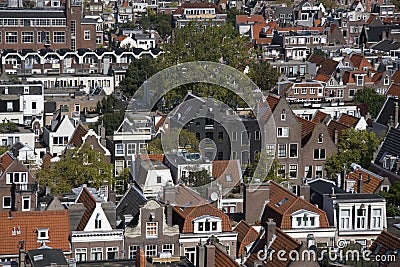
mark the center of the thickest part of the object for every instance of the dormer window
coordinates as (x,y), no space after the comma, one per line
(207,223)
(360,80)
(331,82)
(304,218)
(42,234)
(320,138)
(386,80)
(361,218)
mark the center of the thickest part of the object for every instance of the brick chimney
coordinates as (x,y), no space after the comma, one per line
(141,258)
(270,230)
(21,254)
(169,193)
(205,255)
(396,113)
(360,185)
(255,201)
(343,178)
(303,191)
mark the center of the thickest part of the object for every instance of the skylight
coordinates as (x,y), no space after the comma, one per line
(283,201)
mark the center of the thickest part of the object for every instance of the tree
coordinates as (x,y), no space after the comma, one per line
(356,146)
(187,140)
(113,112)
(370,97)
(263,75)
(196,179)
(392,200)
(77,166)
(271,175)
(231,14)
(138,71)
(162,23)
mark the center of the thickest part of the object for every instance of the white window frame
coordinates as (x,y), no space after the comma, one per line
(151,226)
(297,150)
(133,251)
(94,252)
(112,249)
(26,198)
(293,167)
(4,206)
(376,219)
(45,231)
(86,35)
(282,132)
(345,221)
(151,250)
(131,149)
(81,251)
(168,248)
(120,149)
(282,155)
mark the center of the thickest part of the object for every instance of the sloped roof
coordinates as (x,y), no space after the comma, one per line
(222,168)
(360,61)
(396,77)
(48,257)
(326,66)
(256,29)
(185,196)
(272,101)
(349,77)
(371,181)
(348,120)
(335,125)
(5,160)
(57,221)
(322,77)
(390,146)
(319,116)
(385,244)
(87,199)
(222,259)
(246,236)
(283,203)
(79,132)
(244,19)
(184,217)
(131,202)
(307,128)
(282,242)
(394,90)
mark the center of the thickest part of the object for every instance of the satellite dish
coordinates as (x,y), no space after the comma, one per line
(214,196)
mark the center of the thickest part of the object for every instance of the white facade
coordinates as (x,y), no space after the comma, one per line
(58,140)
(155,181)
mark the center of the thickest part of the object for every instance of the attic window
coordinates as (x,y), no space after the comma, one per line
(228,178)
(283,115)
(97,222)
(42,234)
(283,201)
(386,80)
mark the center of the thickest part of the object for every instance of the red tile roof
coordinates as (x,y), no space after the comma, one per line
(307,128)
(244,19)
(159,157)
(184,217)
(281,213)
(348,120)
(349,77)
(185,196)
(88,200)
(5,160)
(371,181)
(79,132)
(385,244)
(282,242)
(272,101)
(222,168)
(246,236)
(360,61)
(394,90)
(319,116)
(57,221)
(256,29)
(322,77)
(222,259)
(396,77)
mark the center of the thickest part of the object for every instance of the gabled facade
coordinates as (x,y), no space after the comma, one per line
(18,188)
(58,134)
(152,231)
(93,231)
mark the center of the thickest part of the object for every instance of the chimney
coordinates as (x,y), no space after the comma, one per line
(168,214)
(335,136)
(201,255)
(101,131)
(254,202)
(21,254)
(360,185)
(48,190)
(270,230)
(210,255)
(343,178)
(169,193)
(303,191)
(396,113)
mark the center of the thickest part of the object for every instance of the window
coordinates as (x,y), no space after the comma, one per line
(303,91)
(34,106)
(282,151)
(86,35)
(97,221)
(59,37)
(27,37)
(386,80)
(319,153)
(142,148)
(151,229)
(304,16)
(43,37)
(340,93)
(282,170)
(283,115)
(10,106)
(345,219)
(80,254)
(220,136)
(42,234)
(308,171)
(385,188)
(58,22)
(119,149)
(190,254)
(228,178)
(320,138)
(168,248)
(360,80)
(312,91)
(60,140)
(6,202)
(26,203)
(293,151)
(318,171)
(376,218)
(11,37)
(292,171)
(234,155)
(352,92)
(296,91)
(119,167)
(220,156)
(96,254)
(257,135)
(133,251)
(151,250)
(98,40)
(131,149)
(245,138)
(271,150)
(234,136)
(282,131)
(112,253)
(361,216)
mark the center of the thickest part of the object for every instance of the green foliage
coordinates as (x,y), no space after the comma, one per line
(162,23)
(356,146)
(196,179)
(369,96)
(122,180)
(76,167)
(392,200)
(272,175)
(263,75)
(187,140)
(113,112)
(231,14)
(8,127)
